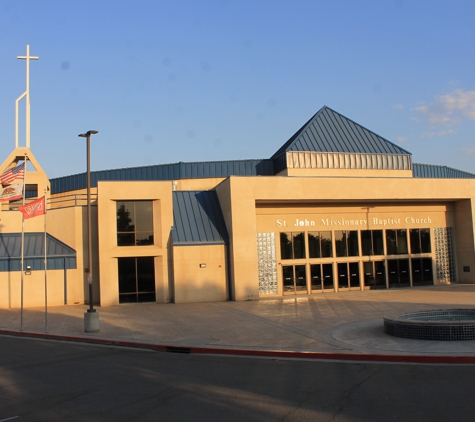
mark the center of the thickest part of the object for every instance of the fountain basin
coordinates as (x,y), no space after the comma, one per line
(442,324)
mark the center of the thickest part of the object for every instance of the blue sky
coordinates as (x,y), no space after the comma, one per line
(168,81)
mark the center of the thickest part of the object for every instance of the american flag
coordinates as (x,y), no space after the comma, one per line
(13,174)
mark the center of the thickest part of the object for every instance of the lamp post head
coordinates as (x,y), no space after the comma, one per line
(88,133)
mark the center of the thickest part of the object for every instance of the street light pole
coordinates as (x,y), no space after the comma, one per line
(91,318)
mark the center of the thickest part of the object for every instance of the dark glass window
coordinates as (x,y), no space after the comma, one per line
(425,241)
(299,245)
(134,223)
(292,245)
(420,240)
(346,243)
(402,241)
(366,242)
(396,242)
(391,242)
(136,279)
(352,243)
(286,245)
(320,244)
(326,238)
(340,242)
(378,243)
(372,242)
(314,248)
(414,235)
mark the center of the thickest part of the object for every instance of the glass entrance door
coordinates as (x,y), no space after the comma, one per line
(380,275)
(348,275)
(421,271)
(354,274)
(398,273)
(374,275)
(300,279)
(294,279)
(288,278)
(136,279)
(322,276)
(343,275)
(327,271)
(316,276)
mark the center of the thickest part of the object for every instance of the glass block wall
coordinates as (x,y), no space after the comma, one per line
(267,263)
(444,254)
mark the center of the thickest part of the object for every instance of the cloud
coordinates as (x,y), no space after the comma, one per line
(398,107)
(450,109)
(401,139)
(437,134)
(468,151)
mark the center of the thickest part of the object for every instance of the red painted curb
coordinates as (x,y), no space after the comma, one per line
(282,354)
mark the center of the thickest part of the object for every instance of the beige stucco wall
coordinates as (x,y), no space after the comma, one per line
(238,206)
(108,194)
(67,226)
(403,196)
(193,283)
(197,184)
(464,235)
(249,205)
(33,289)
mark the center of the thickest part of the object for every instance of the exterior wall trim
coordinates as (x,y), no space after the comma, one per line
(341,160)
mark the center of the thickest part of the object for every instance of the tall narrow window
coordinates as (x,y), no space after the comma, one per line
(378,243)
(340,243)
(134,223)
(425,241)
(299,245)
(286,246)
(314,247)
(327,251)
(366,242)
(402,241)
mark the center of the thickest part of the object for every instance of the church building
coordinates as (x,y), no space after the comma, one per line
(336,208)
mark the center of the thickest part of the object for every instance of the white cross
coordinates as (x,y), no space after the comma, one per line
(27,94)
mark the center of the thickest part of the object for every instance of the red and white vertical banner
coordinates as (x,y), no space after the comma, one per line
(33,209)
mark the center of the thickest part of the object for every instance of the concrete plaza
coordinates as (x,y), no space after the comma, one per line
(335,323)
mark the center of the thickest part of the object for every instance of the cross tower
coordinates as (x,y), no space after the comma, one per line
(27,95)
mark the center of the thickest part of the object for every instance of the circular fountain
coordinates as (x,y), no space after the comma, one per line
(443,324)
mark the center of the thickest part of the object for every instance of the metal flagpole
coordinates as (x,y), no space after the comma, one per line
(22,248)
(46,267)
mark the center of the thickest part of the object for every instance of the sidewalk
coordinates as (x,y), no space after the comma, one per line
(332,325)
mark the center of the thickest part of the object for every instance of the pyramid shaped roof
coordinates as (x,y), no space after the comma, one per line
(329,131)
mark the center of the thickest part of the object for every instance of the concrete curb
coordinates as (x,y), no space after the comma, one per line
(278,354)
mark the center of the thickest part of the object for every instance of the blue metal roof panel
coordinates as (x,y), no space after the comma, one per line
(175,171)
(329,131)
(430,171)
(59,255)
(10,246)
(197,218)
